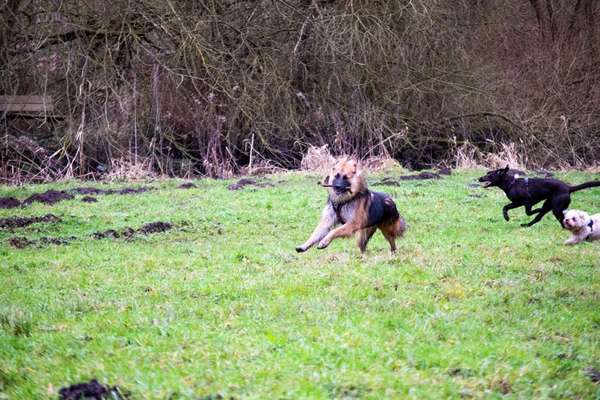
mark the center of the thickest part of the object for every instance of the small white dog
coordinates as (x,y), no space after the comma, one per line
(582,226)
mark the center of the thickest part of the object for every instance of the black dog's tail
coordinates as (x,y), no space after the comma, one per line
(583,186)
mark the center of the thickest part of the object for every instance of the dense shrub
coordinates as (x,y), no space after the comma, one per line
(201,86)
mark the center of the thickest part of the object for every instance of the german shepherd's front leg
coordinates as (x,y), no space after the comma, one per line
(328,220)
(343,231)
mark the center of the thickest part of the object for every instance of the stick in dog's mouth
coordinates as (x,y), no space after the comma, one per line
(335,187)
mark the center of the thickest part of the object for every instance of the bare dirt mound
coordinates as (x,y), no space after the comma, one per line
(90,390)
(420,176)
(20,242)
(96,191)
(54,196)
(593,374)
(155,227)
(248,182)
(20,222)
(48,197)
(127,191)
(425,175)
(113,234)
(87,190)
(146,229)
(9,202)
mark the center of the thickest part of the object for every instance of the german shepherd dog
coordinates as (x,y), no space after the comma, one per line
(356,208)
(528,192)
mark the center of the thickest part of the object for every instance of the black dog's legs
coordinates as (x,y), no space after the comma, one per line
(545,209)
(529,211)
(509,207)
(559,205)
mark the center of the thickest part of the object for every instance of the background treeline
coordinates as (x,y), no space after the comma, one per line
(197,86)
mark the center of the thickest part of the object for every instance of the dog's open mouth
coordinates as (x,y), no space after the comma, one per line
(341,190)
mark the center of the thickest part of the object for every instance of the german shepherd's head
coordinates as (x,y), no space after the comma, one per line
(345,181)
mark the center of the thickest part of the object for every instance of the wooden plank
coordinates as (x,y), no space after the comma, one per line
(26,104)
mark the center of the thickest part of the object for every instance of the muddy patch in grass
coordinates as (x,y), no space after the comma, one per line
(20,222)
(20,242)
(127,191)
(216,396)
(593,374)
(96,191)
(9,202)
(113,234)
(90,390)
(420,176)
(88,190)
(349,392)
(242,183)
(155,227)
(127,233)
(54,196)
(48,197)
(425,175)
(146,229)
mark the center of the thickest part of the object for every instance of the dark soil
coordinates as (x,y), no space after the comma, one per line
(54,196)
(88,190)
(217,396)
(48,197)
(420,176)
(248,182)
(90,390)
(22,242)
(155,227)
(20,222)
(544,173)
(188,185)
(127,233)
(127,191)
(390,181)
(146,229)
(96,191)
(9,202)
(111,233)
(593,374)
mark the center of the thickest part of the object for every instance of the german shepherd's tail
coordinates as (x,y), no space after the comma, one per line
(583,186)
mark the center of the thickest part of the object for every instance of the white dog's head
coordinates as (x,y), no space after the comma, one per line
(575,219)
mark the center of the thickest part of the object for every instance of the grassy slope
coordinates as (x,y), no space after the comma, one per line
(470,305)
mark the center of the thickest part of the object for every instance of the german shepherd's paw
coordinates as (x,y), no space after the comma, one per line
(322,244)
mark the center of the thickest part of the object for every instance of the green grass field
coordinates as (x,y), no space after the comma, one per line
(470,306)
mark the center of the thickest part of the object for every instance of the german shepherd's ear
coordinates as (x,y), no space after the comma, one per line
(354,165)
(506,169)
